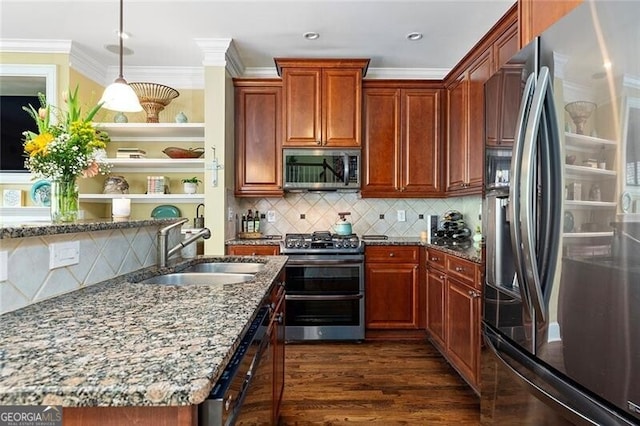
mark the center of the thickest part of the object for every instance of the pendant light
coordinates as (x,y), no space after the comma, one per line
(119,96)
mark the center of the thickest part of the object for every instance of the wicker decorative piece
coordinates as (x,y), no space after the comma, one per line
(580,111)
(153,98)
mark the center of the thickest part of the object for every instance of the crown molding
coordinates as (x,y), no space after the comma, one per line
(407,73)
(221,52)
(86,65)
(176,77)
(23,45)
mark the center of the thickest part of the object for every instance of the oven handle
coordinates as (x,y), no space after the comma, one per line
(321,262)
(323,297)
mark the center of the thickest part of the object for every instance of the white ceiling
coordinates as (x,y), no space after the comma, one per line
(163,32)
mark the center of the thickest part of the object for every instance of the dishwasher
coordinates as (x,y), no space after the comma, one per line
(244,390)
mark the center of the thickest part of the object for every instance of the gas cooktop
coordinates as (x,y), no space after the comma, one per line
(322,241)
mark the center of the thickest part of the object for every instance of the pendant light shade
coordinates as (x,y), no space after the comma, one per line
(119,96)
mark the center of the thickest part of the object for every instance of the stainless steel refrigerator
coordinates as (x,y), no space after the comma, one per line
(561,301)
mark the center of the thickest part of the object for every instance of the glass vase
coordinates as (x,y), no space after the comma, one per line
(64,200)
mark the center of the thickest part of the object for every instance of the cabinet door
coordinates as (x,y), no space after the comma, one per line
(391,296)
(420,141)
(302,106)
(536,16)
(253,250)
(341,107)
(505,46)
(463,333)
(258,141)
(381,151)
(479,73)
(457,138)
(436,290)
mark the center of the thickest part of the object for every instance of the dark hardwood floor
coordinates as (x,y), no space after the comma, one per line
(385,383)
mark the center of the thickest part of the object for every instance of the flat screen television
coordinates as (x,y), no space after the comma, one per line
(13,121)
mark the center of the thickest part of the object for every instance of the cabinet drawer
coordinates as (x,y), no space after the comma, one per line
(436,259)
(463,269)
(394,254)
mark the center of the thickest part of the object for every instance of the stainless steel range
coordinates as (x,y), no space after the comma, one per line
(325,286)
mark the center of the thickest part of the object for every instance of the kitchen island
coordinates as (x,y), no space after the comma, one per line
(129,345)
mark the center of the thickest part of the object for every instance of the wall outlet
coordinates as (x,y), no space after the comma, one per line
(271,216)
(64,254)
(4,272)
(230,215)
(402,217)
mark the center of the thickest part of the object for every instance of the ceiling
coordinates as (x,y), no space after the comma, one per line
(164,32)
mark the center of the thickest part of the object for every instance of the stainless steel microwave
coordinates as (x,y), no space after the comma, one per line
(321,169)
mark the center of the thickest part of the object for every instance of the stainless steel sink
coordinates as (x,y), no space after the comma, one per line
(231,268)
(198,279)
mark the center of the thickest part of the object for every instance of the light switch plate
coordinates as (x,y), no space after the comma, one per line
(402,217)
(271,216)
(64,254)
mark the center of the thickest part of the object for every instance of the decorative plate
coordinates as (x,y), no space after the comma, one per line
(165,211)
(625,202)
(41,193)
(568,222)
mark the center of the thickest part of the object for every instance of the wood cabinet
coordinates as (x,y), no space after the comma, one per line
(466,105)
(535,16)
(322,101)
(277,333)
(503,91)
(465,148)
(454,311)
(258,156)
(392,287)
(253,250)
(402,139)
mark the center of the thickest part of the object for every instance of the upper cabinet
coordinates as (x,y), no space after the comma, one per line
(258,138)
(536,16)
(322,101)
(403,144)
(465,106)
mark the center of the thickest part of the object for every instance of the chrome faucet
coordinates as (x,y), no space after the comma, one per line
(164,253)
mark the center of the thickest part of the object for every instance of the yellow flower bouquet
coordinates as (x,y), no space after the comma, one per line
(66,146)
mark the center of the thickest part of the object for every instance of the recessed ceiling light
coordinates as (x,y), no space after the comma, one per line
(115,49)
(414,36)
(311,35)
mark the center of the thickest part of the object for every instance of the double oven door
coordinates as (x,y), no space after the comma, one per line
(325,297)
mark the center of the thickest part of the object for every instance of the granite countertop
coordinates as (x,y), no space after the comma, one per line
(275,241)
(471,253)
(36,229)
(118,343)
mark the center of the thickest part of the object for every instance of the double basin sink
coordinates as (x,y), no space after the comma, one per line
(207,274)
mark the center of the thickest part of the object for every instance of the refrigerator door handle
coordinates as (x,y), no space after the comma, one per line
(551,197)
(514,194)
(528,196)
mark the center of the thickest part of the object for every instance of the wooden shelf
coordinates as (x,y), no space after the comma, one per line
(168,165)
(154,132)
(576,204)
(573,140)
(587,234)
(144,198)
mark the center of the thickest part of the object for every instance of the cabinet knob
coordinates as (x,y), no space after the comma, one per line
(459,269)
(442,277)
(435,259)
(392,254)
(474,293)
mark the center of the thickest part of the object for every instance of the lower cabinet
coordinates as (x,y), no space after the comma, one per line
(454,312)
(253,250)
(392,291)
(277,345)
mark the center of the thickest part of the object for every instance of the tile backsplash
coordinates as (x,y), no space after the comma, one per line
(316,211)
(103,255)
